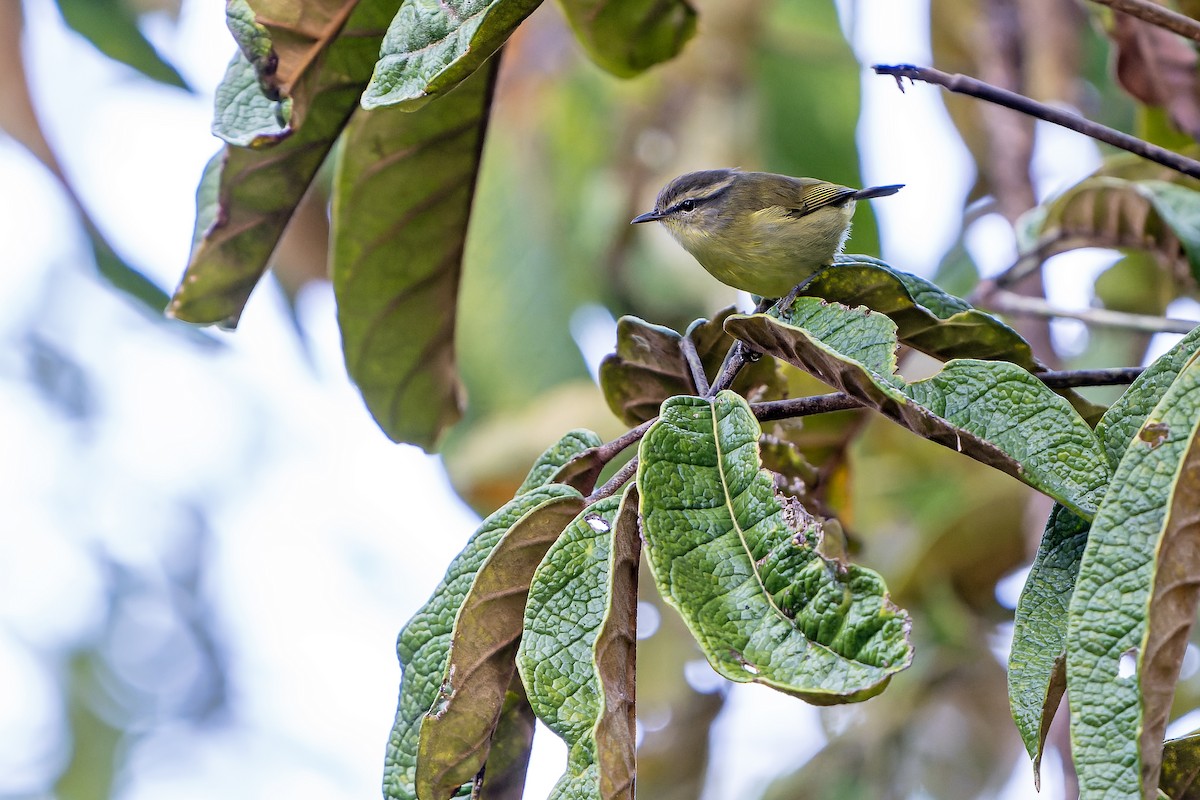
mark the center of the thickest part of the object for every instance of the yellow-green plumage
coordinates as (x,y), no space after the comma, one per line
(757,231)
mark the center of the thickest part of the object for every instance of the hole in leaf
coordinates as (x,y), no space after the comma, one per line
(597,523)
(1127,666)
(1154,433)
(753,670)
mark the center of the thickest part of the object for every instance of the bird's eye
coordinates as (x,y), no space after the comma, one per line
(687,205)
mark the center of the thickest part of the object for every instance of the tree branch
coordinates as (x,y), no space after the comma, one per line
(1069,379)
(1018,102)
(1007,302)
(1158,15)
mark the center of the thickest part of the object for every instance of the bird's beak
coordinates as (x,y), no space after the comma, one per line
(649,216)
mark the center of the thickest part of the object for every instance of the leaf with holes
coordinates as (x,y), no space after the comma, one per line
(627,37)
(1135,600)
(1037,660)
(402,200)
(746,574)
(993,411)
(258,190)
(424,643)
(430,48)
(577,652)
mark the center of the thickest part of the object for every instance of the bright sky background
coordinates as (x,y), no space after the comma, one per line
(323,531)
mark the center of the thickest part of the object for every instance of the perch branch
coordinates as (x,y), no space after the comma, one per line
(963,84)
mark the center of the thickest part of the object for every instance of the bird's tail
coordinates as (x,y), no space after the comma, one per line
(877,191)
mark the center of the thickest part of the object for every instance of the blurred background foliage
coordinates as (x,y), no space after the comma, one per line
(571,155)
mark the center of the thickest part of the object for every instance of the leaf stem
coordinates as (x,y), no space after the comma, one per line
(614,483)
(1158,15)
(699,380)
(963,84)
(1007,302)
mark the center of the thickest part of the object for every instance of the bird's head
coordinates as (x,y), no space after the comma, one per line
(691,206)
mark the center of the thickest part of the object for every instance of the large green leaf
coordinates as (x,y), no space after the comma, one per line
(928,319)
(993,411)
(627,37)
(402,200)
(424,643)
(577,653)
(112,26)
(1135,601)
(1037,660)
(260,189)
(270,83)
(746,573)
(648,366)
(431,47)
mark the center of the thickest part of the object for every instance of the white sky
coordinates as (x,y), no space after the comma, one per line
(323,530)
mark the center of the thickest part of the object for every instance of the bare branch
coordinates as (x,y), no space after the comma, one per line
(1011,303)
(963,84)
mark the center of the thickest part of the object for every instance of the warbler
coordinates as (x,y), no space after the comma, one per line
(758,231)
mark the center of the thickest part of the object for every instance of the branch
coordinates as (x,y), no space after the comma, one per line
(1018,102)
(803,406)
(1158,15)
(614,483)
(1069,379)
(1007,302)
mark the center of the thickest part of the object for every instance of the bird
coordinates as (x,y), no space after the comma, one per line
(758,231)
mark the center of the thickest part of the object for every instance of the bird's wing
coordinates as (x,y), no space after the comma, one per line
(819,195)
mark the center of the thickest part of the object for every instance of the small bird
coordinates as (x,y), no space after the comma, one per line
(757,231)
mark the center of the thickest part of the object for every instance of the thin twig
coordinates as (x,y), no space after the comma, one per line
(614,483)
(609,450)
(1071,378)
(699,380)
(1018,102)
(1158,15)
(1007,302)
(803,406)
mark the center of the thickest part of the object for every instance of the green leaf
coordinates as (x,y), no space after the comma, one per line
(112,27)
(550,464)
(927,319)
(260,189)
(1181,767)
(577,653)
(993,411)
(430,48)
(1104,211)
(1037,665)
(627,37)
(268,87)
(1135,600)
(424,643)
(456,734)
(402,200)
(1037,661)
(746,574)
(648,366)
